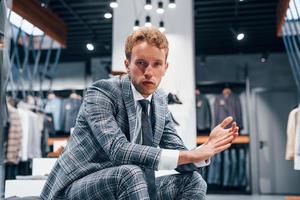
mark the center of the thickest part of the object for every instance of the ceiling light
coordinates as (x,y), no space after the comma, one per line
(148,21)
(148,5)
(107,15)
(172,4)
(237,34)
(44,3)
(113,4)
(160,9)
(136,25)
(90,46)
(240,36)
(161,27)
(264,57)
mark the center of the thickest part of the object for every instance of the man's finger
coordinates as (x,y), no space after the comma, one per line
(222,148)
(225,141)
(233,126)
(226,121)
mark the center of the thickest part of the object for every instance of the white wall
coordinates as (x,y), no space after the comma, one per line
(179,24)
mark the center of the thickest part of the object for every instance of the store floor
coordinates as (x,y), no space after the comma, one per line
(244,197)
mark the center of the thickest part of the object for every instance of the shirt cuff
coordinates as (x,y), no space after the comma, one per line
(168,159)
(204,162)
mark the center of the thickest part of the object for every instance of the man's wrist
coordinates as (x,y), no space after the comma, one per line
(185,157)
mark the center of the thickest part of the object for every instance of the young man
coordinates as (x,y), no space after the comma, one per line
(112,153)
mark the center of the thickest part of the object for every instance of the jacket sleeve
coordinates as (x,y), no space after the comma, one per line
(100,111)
(170,140)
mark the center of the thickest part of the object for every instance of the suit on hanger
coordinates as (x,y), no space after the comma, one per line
(101,139)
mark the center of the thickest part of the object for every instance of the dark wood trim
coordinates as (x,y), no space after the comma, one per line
(281,12)
(241,139)
(43,18)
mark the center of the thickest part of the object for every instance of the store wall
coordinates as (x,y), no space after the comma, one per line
(272,96)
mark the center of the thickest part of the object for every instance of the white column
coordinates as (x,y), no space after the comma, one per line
(180,77)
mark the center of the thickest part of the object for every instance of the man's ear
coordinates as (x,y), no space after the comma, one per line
(126,63)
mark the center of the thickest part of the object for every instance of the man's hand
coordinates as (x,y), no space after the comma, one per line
(219,140)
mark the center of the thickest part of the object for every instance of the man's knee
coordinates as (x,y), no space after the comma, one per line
(132,173)
(131,170)
(200,183)
(131,181)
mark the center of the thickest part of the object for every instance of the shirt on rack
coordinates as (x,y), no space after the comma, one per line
(228,106)
(14,140)
(32,125)
(291,134)
(54,106)
(70,109)
(297,146)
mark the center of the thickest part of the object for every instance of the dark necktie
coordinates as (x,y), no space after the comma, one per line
(148,140)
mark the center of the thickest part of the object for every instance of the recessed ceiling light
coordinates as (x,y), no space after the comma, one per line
(240,36)
(113,4)
(107,15)
(90,46)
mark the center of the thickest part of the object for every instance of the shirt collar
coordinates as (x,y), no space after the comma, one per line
(137,96)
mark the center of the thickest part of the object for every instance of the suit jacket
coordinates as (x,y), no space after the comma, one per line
(228,106)
(203,113)
(102,132)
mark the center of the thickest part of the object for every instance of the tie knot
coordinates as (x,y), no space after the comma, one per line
(144,103)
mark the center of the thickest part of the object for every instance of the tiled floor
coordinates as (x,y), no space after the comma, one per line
(244,197)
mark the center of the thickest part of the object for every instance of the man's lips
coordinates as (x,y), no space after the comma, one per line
(148,83)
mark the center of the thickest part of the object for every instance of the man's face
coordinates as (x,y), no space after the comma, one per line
(146,68)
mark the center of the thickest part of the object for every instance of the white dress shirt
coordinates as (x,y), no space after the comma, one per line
(169,157)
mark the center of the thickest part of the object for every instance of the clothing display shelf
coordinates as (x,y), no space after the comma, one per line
(242,139)
(214,88)
(292,198)
(55,139)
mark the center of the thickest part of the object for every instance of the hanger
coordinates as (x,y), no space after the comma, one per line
(74,95)
(51,95)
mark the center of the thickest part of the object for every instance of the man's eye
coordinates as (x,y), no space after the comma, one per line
(158,64)
(140,63)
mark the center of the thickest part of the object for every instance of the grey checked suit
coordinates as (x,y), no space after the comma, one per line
(99,162)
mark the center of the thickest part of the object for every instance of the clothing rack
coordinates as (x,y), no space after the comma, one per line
(61,93)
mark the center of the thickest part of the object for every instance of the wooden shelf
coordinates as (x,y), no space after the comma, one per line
(242,139)
(51,140)
(292,198)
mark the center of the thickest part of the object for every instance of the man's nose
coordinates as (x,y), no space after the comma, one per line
(148,71)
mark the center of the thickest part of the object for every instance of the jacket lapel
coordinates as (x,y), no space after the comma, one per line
(158,106)
(129,103)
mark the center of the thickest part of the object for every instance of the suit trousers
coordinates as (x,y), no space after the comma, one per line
(128,182)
